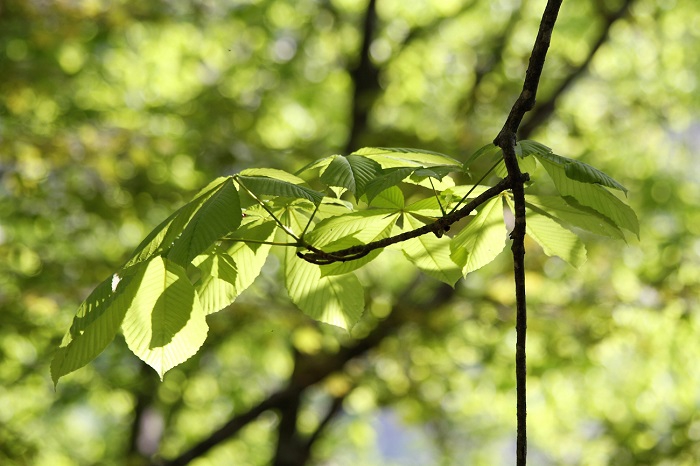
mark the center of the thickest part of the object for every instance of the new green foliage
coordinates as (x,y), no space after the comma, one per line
(201,258)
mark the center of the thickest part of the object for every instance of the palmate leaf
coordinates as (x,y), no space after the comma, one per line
(165,324)
(218,215)
(594,196)
(96,322)
(351,172)
(265,185)
(337,300)
(396,157)
(431,254)
(482,239)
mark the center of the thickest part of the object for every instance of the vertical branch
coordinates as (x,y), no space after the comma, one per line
(506,140)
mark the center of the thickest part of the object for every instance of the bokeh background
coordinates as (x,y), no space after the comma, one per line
(113,113)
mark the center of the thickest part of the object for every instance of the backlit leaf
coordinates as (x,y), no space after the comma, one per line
(351,172)
(431,254)
(165,324)
(482,239)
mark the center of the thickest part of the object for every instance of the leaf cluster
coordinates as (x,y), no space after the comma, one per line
(332,217)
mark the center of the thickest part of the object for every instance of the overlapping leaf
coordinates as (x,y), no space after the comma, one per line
(580,217)
(396,157)
(337,300)
(351,172)
(592,195)
(482,239)
(265,185)
(218,215)
(162,237)
(165,324)
(431,254)
(96,322)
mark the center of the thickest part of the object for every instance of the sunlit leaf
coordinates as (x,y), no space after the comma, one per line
(162,237)
(216,287)
(555,239)
(96,322)
(482,239)
(218,215)
(389,177)
(351,172)
(164,324)
(581,216)
(580,171)
(431,254)
(263,185)
(594,196)
(396,157)
(337,300)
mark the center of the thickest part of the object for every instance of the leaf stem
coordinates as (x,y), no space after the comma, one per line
(483,177)
(262,204)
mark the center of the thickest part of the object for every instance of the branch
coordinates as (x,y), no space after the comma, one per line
(438,227)
(543,111)
(506,141)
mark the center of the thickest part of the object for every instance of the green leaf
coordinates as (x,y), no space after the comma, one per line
(250,257)
(337,300)
(351,172)
(340,268)
(592,195)
(316,164)
(527,164)
(396,157)
(162,237)
(216,287)
(488,149)
(528,147)
(436,172)
(364,226)
(218,215)
(555,239)
(390,177)
(263,185)
(391,198)
(580,217)
(431,254)
(96,322)
(580,171)
(482,239)
(273,173)
(165,324)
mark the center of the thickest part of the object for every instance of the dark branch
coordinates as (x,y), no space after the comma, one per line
(506,141)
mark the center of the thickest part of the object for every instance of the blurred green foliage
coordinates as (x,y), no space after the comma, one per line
(113,113)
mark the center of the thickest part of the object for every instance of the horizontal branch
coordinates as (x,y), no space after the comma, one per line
(438,228)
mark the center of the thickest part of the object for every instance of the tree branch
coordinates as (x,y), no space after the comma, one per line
(506,140)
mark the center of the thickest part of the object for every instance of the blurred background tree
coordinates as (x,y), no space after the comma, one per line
(114,113)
